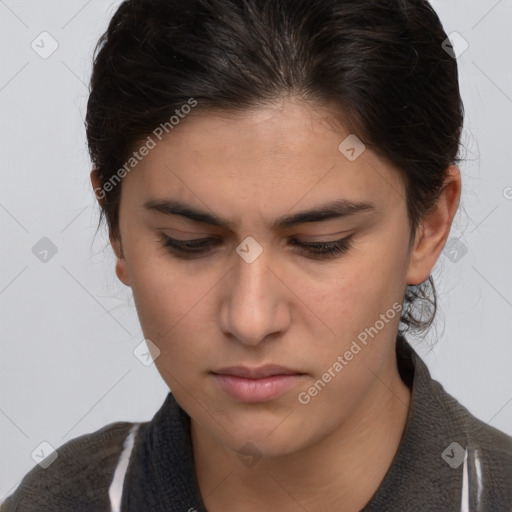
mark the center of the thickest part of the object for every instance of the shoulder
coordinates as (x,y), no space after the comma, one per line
(442,410)
(463,452)
(483,451)
(78,479)
(479,433)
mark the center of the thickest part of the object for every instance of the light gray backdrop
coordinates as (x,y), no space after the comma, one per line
(69,327)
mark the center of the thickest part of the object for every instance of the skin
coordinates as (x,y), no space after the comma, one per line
(285,307)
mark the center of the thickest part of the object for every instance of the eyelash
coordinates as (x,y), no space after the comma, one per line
(198,247)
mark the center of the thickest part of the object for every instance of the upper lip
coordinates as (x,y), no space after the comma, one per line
(256,373)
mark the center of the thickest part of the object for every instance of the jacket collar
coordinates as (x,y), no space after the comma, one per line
(419,478)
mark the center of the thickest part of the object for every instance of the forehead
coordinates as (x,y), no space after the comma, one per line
(286,152)
(287,128)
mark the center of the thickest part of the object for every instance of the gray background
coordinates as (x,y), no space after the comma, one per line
(69,327)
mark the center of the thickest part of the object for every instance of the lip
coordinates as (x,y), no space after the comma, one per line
(260,372)
(256,384)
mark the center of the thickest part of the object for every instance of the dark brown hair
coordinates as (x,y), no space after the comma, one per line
(381,62)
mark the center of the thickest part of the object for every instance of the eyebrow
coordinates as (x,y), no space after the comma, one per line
(331,210)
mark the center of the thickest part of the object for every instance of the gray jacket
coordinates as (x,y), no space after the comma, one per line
(447,460)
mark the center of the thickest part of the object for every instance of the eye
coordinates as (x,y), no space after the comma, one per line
(188,248)
(200,246)
(329,249)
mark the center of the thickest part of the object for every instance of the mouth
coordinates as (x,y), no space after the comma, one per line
(257,384)
(268,370)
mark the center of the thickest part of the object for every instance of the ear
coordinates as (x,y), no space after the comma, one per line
(115,241)
(121,266)
(97,187)
(434,230)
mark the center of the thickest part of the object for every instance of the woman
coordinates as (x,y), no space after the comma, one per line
(279,178)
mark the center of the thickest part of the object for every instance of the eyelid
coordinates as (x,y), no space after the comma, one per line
(197,235)
(324,236)
(319,250)
(317,239)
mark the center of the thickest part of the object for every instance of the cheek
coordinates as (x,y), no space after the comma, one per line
(358,301)
(160,287)
(172,307)
(169,314)
(363,310)
(352,294)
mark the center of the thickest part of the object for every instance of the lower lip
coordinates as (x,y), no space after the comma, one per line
(257,390)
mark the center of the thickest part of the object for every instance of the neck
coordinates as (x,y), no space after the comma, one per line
(349,464)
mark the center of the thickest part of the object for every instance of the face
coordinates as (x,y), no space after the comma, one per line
(264,285)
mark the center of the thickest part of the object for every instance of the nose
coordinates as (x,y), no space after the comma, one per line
(255,301)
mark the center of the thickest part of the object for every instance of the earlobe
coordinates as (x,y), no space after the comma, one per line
(434,229)
(121,267)
(122,271)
